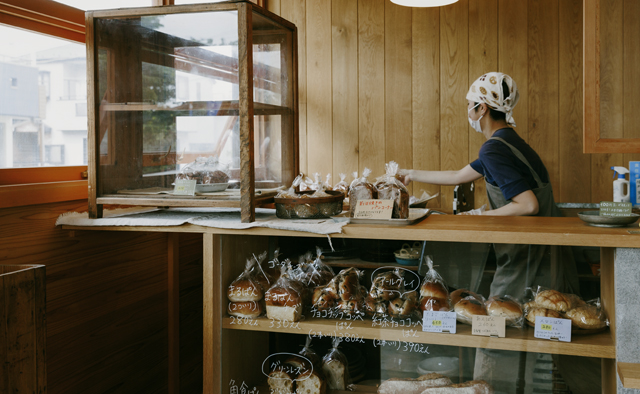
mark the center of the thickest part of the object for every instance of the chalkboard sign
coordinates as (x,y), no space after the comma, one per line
(608,208)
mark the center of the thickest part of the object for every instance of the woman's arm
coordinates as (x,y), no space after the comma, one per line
(524,204)
(467,174)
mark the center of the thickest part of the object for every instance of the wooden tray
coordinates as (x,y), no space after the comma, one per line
(416,215)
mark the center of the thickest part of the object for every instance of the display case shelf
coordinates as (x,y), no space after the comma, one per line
(597,345)
(218,108)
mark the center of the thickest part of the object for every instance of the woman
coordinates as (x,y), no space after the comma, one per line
(517,185)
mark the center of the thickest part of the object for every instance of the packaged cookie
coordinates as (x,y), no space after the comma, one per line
(361,189)
(390,188)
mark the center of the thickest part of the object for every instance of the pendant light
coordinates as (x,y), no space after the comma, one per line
(423,3)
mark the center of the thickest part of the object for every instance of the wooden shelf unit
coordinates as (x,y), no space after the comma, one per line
(598,345)
(220,108)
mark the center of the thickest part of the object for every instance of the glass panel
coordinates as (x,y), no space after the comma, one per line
(105,5)
(43,116)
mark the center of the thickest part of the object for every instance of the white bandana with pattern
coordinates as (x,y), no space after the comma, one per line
(488,89)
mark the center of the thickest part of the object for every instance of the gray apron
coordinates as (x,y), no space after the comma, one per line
(522,266)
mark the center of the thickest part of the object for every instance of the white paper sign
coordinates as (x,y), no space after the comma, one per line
(552,328)
(488,326)
(373,209)
(433,321)
(185,187)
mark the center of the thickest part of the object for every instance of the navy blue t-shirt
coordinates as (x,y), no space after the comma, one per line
(502,168)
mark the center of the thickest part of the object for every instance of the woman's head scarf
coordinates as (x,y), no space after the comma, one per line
(488,89)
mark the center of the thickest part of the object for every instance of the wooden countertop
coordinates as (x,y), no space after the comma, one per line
(482,229)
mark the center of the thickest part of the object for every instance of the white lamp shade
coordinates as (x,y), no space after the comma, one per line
(423,3)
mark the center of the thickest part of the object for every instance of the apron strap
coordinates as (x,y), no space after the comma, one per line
(520,156)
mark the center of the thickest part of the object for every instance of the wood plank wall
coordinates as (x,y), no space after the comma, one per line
(384,82)
(106,308)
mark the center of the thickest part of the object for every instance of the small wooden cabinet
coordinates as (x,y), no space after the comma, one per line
(170,84)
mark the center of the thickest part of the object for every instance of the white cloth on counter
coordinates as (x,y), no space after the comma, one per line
(226,218)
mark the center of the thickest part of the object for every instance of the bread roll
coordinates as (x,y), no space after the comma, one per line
(541,312)
(466,309)
(248,309)
(386,286)
(433,289)
(434,304)
(460,294)
(374,307)
(349,306)
(281,382)
(472,387)
(323,300)
(413,386)
(334,371)
(504,307)
(310,382)
(244,290)
(587,317)
(554,300)
(404,306)
(348,287)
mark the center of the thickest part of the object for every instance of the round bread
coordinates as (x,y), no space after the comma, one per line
(541,312)
(434,304)
(248,309)
(586,317)
(460,294)
(282,296)
(433,289)
(244,290)
(554,300)
(504,307)
(373,306)
(466,309)
(322,299)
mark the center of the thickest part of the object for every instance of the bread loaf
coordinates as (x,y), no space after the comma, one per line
(283,303)
(310,382)
(281,382)
(334,371)
(413,386)
(472,387)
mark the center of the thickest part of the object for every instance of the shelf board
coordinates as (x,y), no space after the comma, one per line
(358,263)
(219,108)
(629,375)
(597,345)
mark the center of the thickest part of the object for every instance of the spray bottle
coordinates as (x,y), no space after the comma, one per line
(620,185)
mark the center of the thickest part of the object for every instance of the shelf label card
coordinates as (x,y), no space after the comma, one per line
(608,208)
(185,187)
(435,321)
(488,326)
(552,328)
(374,209)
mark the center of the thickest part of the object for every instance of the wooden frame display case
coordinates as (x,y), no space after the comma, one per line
(205,83)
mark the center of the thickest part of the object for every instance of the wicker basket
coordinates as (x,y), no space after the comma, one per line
(309,208)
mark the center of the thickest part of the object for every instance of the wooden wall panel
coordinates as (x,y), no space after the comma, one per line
(631,65)
(371,83)
(344,66)
(319,98)
(543,84)
(397,55)
(574,170)
(454,84)
(483,58)
(425,91)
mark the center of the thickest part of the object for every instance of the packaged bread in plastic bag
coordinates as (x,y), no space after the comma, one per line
(310,354)
(405,306)
(460,294)
(390,188)
(342,186)
(545,303)
(361,189)
(245,287)
(588,316)
(283,300)
(507,307)
(215,172)
(291,192)
(318,273)
(194,171)
(387,286)
(468,307)
(434,294)
(258,272)
(336,368)
(327,183)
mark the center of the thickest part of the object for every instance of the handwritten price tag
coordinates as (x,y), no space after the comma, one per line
(608,208)
(551,328)
(433,321)
(185,187)
(374,209)
(488,326)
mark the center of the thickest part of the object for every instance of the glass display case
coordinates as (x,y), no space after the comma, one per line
(184,91)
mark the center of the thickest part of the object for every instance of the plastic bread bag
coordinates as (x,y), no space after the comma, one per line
(319,187)
(361,189)
(336,368)
(272,267)
(552,299)
(507,307)
(244,288)
(215,172)
(589,316)
(460,294)
(283,301)
(296,277)
(374,307)
(325,271)
(433,285)
(466,308)
(386,286)
(390,188)
(405,306)
(291,192)
(310,354)
(327,183)
(194,170)
(342,186)
(259,274)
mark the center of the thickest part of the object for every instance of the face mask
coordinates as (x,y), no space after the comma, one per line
(475,123)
